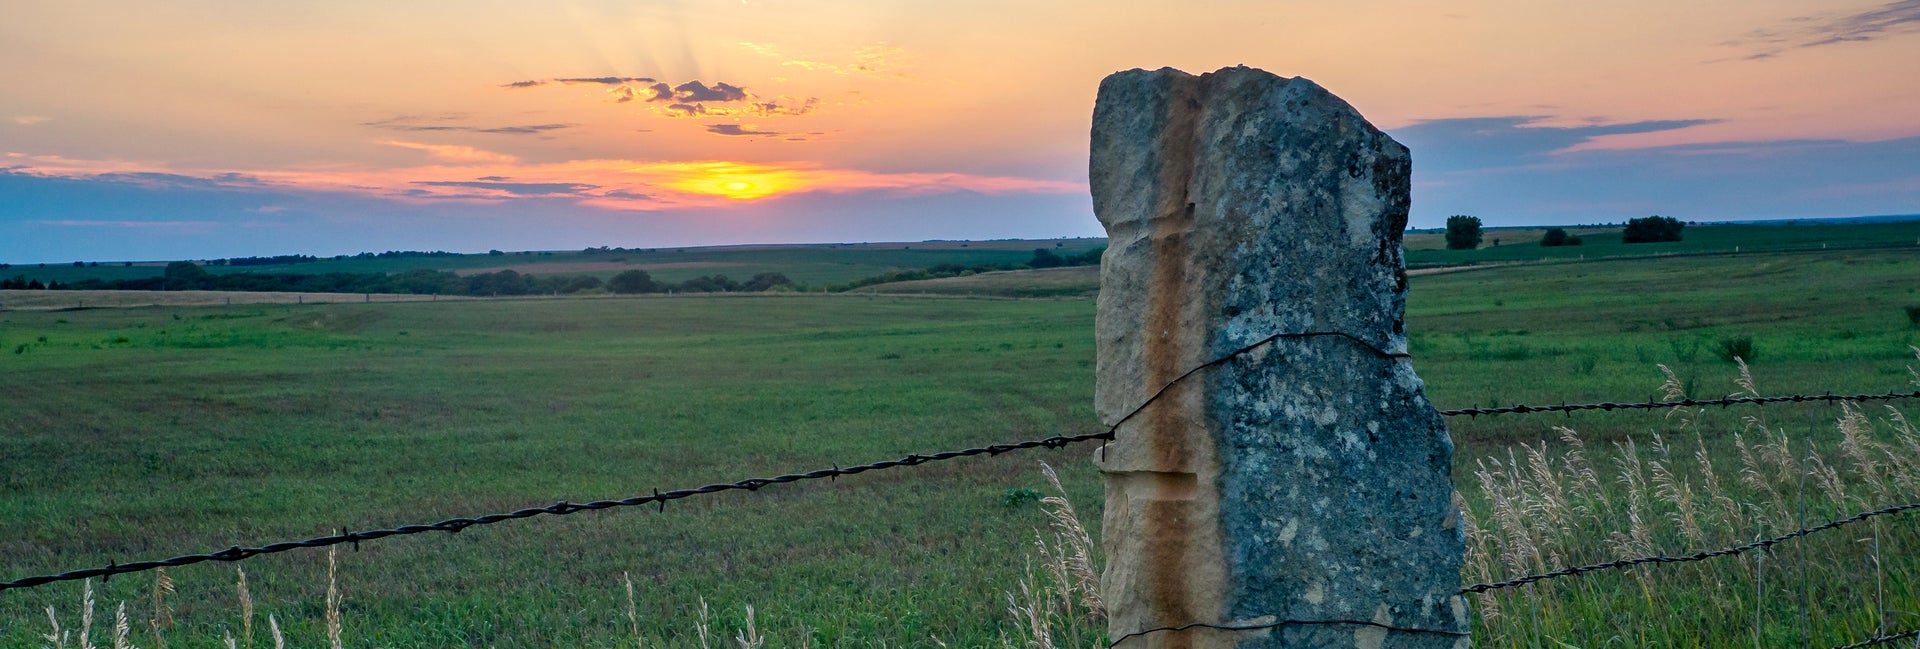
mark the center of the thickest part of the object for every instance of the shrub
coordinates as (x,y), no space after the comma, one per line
(1463,232)
(632,281)
(1044,258)
(1652,229)
(1913,314)
(1739,347)
(1017,496)
(1556,237)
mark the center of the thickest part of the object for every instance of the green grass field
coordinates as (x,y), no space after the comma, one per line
(141,433)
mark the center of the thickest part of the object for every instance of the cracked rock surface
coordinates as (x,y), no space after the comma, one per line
(1307,478)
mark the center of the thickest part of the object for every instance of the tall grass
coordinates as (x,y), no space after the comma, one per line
(1681,490)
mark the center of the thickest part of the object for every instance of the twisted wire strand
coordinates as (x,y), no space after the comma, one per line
(660,498)
(1699,556)
(1277,624)
(1683,403)
(1870,642)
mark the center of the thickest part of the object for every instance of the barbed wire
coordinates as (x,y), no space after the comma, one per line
(563,508)
(1870,642)
(1699,556)
(1277,624)
(1683,403)
(660,498)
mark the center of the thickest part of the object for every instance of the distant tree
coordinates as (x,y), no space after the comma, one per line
(79,264)
(580,283)
(184,275)
(495,253)
(1554,237)
(709,284)
(632,281)
(1463,232)
(1044,258)
(35,285)
(1088,258)
(127,264)
(764,281)
(1652,229)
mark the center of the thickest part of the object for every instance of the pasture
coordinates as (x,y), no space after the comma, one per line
(139,433)
(812,264)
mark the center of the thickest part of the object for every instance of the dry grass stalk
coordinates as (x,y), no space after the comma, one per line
(1479,561)
(246,609)
(1903,462)
(1075,564)
(273,628)
(1038,623)
(121,628)
(1732,518)
(57,639)
(1586,481)
(702,626)
(333,597)
(86,615)
(1856,442)
(750,638)
(633,614)
(1674,489)
(1637,540)
(162,610)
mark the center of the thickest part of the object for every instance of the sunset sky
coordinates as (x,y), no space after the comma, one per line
(192,129)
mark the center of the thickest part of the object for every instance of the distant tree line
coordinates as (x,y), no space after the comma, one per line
(188,276)
(20,282)
(640,281)
(1042,258)
(263,261)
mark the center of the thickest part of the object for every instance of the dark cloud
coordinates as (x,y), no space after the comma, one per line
(178,181)
(529,129)
(655,92)
(690,99)
(632,196)
(694,91)
(788,106)
(524,84)
(517,189)
(736,129)
(1493,142)
(494,178)
(605,81)
(1891,19)
(411,124)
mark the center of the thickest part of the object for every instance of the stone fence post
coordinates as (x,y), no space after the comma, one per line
(1297,483)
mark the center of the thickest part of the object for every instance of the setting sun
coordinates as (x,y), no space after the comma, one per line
(737,181)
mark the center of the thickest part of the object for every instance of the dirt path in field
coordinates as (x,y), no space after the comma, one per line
(593,267)
(12,300)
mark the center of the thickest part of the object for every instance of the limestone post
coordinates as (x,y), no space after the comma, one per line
(1301,484)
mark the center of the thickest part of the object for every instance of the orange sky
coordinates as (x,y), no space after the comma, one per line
(385,99)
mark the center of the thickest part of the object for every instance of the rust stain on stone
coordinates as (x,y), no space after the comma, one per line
(1170,343)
